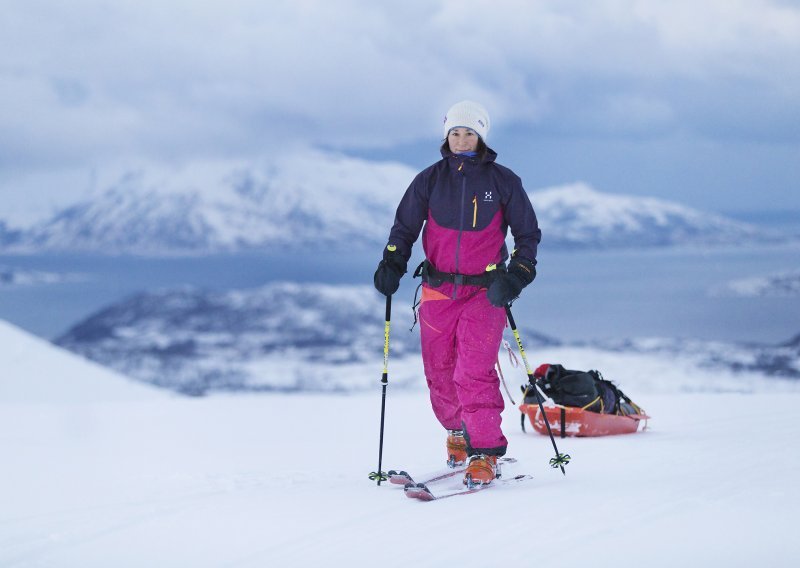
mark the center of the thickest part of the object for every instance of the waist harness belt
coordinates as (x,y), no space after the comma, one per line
(435,277)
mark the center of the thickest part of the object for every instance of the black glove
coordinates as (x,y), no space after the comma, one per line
(506,286)
(390,271)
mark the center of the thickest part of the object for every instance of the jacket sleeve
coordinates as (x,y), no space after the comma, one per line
(410,216)
(521,219)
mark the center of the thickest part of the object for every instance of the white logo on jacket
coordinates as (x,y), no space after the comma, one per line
(487,196)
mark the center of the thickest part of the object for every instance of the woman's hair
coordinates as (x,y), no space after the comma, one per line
(481,150)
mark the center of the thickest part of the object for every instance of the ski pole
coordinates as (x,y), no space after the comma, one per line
(380,475)
(561,459)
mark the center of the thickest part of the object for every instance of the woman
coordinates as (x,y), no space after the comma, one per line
(467,202)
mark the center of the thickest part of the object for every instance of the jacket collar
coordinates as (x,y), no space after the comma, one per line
(491,155)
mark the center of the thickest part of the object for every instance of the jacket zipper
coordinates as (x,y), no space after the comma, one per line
(474,210)
(460,223)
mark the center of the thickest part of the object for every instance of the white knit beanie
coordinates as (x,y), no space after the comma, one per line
(467,114)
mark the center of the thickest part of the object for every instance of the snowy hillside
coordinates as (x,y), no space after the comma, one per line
(317,199)
(310,337)
(36,371)
(282,480)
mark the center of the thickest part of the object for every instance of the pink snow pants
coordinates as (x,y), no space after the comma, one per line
(460,340)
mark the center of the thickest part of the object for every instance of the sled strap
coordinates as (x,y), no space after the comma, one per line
(563,422)
(503,380)
(511,355)
(591,403)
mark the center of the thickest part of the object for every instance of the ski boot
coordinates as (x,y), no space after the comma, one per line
(481,470)
(456,448)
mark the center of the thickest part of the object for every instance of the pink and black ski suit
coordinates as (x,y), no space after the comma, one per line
(467,206)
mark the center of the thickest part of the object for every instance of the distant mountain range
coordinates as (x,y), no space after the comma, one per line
(314,337)
(322,199)
(282,337)
(12,276)
(780,285)
(779,361)
(577,216)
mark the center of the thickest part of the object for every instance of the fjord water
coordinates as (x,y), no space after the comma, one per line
(577,296)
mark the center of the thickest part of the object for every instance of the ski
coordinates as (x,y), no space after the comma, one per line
(404,478)
(421,492)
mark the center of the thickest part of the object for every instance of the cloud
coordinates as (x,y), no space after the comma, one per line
(90,80)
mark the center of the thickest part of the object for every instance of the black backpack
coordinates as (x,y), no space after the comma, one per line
(583,389)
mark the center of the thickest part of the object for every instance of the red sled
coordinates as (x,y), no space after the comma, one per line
(572,421)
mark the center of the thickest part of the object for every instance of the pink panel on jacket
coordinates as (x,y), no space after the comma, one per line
(477,249)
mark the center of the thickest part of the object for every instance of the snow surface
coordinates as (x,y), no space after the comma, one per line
(128,476)
(35,372)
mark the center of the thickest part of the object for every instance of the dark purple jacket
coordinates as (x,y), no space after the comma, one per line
(468,205)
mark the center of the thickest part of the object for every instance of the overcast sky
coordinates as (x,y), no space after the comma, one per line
(692,100)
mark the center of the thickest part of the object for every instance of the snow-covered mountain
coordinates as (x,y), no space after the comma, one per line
(577,216)
(779,285)
(319,199)
(778,361)
(296,200)
(14,276)
(282,337)
(313,337)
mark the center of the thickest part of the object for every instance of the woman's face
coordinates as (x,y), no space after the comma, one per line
(462,140)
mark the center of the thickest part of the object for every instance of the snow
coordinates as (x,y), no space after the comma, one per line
(578,215)
(101,471)
(782,284)
(36,372)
